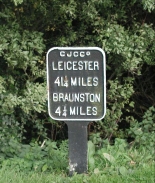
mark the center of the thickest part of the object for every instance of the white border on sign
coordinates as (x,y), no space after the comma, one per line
(104,86)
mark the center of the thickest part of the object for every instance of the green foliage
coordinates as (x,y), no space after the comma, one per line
(124,29)
(16,2)
(119,98)
(49,161)
(46,157)
(143,132)
(22,91)
(118,159)
(142,174)
(148,5)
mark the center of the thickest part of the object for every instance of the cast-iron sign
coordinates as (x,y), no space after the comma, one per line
(76,83)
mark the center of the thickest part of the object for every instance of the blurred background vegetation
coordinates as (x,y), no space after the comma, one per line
(125,30)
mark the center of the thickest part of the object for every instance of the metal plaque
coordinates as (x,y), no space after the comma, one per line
(76,83)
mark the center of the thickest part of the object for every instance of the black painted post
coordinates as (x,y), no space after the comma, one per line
(77,132)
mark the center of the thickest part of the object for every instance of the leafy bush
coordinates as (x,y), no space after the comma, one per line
(124,29)
(46,157)
(119,159)
(143,132)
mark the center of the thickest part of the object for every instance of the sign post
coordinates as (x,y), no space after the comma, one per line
(77,133)
(76,95)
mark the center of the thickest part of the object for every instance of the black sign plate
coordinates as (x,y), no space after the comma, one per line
(76,83)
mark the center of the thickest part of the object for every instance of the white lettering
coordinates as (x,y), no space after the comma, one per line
(75,65)
(69,54)
(82,97)
(58,111)
(87,94)
(60,65)
(90,65)
(97,97)
(79,110)
(66,98)
(61,96)
(79,81)
(54,68)
(91,98)
(74,53)
(55,97)
(62,54)
(69,63)
(95,81)
(94,111)
(72,111)
(80,64)
(86,64)
(57,81)
(73,81)
(76,97)
(82,54)
(82,81)
(89,110)
(89,81)
(96,65)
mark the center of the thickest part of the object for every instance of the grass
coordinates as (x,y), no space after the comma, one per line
(110,164)
(143,174)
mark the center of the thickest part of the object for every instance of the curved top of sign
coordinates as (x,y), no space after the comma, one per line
(76,48)
(76,79)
